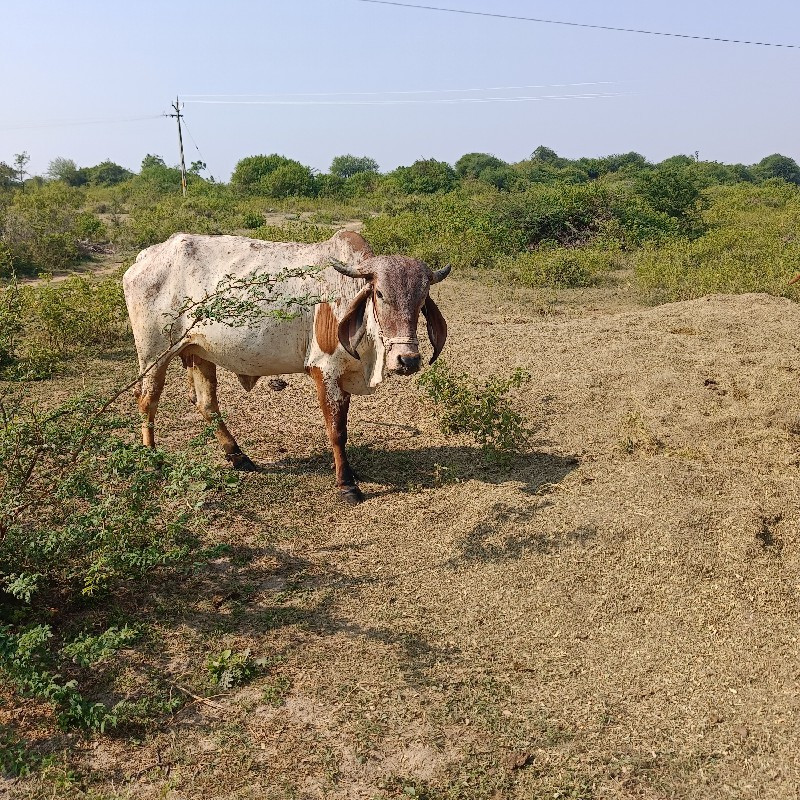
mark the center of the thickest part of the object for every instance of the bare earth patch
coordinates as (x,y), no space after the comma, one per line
(615,616)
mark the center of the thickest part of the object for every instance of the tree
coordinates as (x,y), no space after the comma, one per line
(198,167)
(273,175)
(777,166)
(472,165)
(21,167)
(151,160)
(7,175)
(66,170)
(155,173)
(347,166)
(548,156)
(425,176)
(672,190)
(292,179)
(107,173)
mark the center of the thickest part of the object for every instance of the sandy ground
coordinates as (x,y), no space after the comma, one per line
(613,616)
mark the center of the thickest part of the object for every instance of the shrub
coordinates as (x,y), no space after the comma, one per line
(44,230)
(751,245)
(558,267)
(229,669)
(273,176)
(293,232)
(83,509)
(346,166)
(674,191)
(453,228)
(76,313)
(777,166)
(425,176)
(482,411)
(473,165)
(11,324)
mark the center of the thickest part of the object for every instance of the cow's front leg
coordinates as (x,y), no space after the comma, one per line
(335,403)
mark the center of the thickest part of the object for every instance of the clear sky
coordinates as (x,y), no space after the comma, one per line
(89,60)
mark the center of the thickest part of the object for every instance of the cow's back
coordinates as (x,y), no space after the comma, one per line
(190,267)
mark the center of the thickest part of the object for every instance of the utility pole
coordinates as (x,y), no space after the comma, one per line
(176,105)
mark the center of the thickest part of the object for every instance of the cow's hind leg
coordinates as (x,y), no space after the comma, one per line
(147,393)
(203,379)
(335,404)
(187,363)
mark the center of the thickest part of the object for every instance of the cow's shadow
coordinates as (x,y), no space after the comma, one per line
(392,470)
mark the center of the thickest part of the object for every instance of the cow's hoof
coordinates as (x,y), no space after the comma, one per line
(351,495)
(241,463)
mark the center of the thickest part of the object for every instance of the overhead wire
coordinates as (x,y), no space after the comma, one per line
(18,126)
(438,101)
(409,91)
(495,15)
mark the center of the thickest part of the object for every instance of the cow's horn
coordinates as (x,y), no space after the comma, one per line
(440,274)
(351,270)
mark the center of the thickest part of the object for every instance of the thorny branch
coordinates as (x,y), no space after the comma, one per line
(234,302)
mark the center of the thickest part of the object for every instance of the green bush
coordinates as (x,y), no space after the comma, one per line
(83,508)
(79,312)
(454,228)
(480,410)
(425,176)
(11,324)
(559,267)
(229,669)
(273,176)
(751,245)
(43,229)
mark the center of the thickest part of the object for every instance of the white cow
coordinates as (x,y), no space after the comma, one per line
(366,325)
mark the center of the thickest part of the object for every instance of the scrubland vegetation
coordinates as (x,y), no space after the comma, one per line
(86,513)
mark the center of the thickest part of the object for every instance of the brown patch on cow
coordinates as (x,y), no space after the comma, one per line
(322,394)
(357,243)
(326,329)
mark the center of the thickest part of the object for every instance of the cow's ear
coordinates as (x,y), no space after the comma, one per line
(437,327)
(352,325)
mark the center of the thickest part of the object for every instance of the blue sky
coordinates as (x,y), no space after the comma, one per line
(87,60)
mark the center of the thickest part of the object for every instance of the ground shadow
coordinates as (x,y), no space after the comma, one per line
(483,544)
(431,467)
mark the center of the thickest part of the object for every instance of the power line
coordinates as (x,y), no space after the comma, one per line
(410,91)
(577,24)
(69,122)
(437,101)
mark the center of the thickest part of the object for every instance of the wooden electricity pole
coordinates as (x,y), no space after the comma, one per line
(176,105)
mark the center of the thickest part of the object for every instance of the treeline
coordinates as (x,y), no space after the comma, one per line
(279,177)
(543,221)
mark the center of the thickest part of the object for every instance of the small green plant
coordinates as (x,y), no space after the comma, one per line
(252,220)
(26,660)
(229,669)
(483,411)
(16,760)
(275,690)
(86,649)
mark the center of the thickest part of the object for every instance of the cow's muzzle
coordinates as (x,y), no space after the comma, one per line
(407,364)
(408,360)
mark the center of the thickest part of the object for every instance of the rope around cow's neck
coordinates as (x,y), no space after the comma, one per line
(390,341)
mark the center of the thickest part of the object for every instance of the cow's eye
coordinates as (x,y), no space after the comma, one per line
(379,294)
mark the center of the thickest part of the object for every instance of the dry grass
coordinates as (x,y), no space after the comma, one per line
(614,617)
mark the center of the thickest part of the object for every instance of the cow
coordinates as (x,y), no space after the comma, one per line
(360,324)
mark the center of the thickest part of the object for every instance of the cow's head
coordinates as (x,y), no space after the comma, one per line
(398,287)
